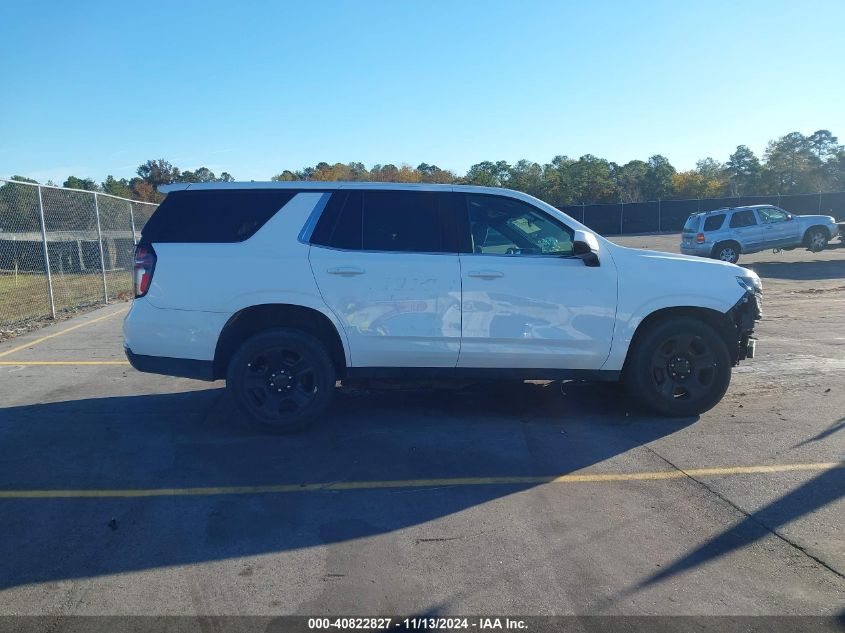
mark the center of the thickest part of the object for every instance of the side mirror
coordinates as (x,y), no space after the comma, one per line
(586,246)
(789,216)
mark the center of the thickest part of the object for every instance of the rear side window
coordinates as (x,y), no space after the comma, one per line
(214,215)
(395,221)
(714,222)
(743,218)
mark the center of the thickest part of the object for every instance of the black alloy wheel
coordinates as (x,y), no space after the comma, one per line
(282,379)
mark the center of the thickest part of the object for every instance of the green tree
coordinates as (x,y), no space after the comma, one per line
(658,183)
(631,181)
(433,173)
(835,170)
(158,172)
(489,174)
(527,176)
(80,183)
(713,176)
(285,176)
(823,144)
(592,180)
(203,174)
(19,206)
(743,171)
(790,163)
(116,187)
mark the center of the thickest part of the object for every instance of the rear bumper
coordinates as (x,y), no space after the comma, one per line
(701,250)
(170,333)
(181,367)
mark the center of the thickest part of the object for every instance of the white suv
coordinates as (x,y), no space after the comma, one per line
(284,288)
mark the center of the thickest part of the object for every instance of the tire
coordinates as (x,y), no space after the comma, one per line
(692,351)
(816,239)
(282,379)
(726,252)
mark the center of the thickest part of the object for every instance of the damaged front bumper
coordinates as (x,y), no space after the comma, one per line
(744,316)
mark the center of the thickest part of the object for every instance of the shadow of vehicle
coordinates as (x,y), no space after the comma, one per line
(188,439)
(819,491)
(801,271)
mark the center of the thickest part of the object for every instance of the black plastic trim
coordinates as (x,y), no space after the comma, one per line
(181,367)
(481,373)
(744,315)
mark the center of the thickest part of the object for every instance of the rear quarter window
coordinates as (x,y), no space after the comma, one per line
(214,215)
(714,222)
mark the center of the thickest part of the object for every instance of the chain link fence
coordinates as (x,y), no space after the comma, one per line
(64,248)
(660,216)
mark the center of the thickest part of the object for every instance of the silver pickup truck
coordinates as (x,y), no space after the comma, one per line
(726,233)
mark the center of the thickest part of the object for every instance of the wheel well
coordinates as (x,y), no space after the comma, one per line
(254,319)
(720,322)
(734,242)
(815,226)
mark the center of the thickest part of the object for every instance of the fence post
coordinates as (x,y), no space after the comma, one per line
(46,253)
(132,223)
(621,216)
(659,225)
(820,201)
(102,258)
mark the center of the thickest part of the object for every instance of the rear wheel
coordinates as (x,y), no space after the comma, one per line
(816,239)
(679,367)
(726,252)
(282,379)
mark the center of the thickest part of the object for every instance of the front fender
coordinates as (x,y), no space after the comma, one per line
(651,281)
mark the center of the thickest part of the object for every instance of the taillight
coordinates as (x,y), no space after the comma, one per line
(142,272)
(700,238)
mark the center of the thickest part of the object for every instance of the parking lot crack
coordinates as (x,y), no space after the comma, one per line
(443,539)
(748,516)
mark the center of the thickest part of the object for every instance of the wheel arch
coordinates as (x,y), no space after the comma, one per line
(721,243)
(256,318)
(719,321)
(805,239)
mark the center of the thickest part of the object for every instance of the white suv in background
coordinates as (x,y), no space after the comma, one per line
(283,288)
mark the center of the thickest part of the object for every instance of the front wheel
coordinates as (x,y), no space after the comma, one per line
(282,379)
(816,239)
(679,367)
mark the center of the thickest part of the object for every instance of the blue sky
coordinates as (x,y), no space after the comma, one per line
(95,88)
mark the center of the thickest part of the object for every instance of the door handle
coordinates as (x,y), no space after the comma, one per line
(485,274)
(346,271)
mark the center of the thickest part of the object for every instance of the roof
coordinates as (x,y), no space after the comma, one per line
(723,209)
(323,186)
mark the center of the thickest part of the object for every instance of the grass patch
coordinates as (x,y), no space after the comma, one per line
(24,296)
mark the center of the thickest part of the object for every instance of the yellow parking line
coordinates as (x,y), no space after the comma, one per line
(65,331)
(62,362)
(418,483)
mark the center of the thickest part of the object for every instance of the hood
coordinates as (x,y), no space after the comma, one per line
(824,219)
(659,258)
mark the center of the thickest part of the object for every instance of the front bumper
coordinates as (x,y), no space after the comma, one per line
(744,316)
